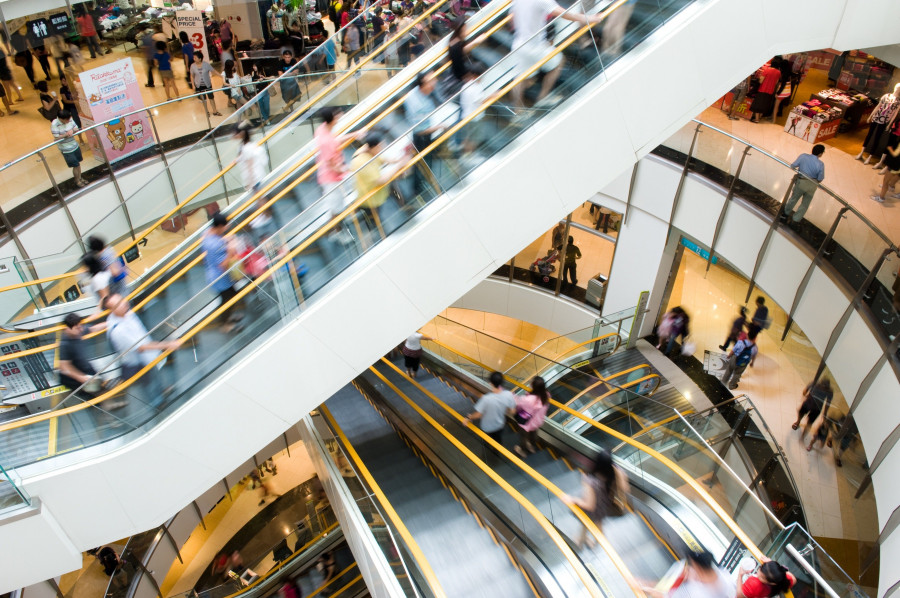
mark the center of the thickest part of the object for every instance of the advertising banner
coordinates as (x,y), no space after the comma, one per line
(191,22)
(112,90)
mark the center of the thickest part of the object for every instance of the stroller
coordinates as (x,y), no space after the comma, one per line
(543,267)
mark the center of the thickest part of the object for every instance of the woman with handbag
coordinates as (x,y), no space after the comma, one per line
(531,410)
(605,493)
(49,105)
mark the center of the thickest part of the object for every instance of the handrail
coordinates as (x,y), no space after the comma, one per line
(515,459)
(411,543)
(837,197)
(668,463)
(241,208)
(589,582)
(275,130)
(332,580)
(614,390)
(593,340)
(320,232)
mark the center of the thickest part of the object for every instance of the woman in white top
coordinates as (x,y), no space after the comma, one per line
(100,278)
(412,352)
(233,82)
(252,162)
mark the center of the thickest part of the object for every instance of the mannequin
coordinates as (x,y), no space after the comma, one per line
(885,112)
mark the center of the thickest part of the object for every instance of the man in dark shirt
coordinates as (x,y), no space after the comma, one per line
(377,27)
(569,268)
(74,367)
(760,318)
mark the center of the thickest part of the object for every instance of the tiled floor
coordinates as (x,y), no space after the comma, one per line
(774,384)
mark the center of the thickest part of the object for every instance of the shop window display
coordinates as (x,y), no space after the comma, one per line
(578,268)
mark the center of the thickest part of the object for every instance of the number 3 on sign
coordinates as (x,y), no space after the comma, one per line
(197,40)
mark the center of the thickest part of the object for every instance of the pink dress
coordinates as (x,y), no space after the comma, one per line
(532,405)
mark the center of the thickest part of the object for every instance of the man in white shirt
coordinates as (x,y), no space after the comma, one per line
(491,411)
(136,348)
(530,44)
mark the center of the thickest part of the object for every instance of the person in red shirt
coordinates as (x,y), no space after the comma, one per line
(771,579)
(764,100)
(87,30)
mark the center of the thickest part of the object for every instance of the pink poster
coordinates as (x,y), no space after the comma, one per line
(111,91)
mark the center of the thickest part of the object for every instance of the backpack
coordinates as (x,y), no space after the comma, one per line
(743,358)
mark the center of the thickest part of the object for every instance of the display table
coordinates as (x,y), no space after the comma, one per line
(855,108)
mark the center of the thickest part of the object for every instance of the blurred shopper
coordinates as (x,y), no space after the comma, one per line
(201,76)
(736,328)
(604,493)
(412,352)
(531,409)
(530,43)
(813,170)
(741,357)
(219,256)
(110,262)
(331,168)
(845,438)
(163,61)
(136,348)
(290,89)
(370,175)
(64,130)
(148,44)
(492,408)
(88,33)
(261,83)
(418,107)
(352,45)
(100,278)
(760,318)
(68,102)
(770,579)
(892,175)
(614,27)
(676,323)
(187,56)
(816,399)
(251,160)
(7,80)
(232,80)
(75,368)
(701,578)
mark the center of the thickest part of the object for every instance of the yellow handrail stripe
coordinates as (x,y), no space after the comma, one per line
(668,463)
(589,583)
(249,202)
(262,578)
(593,340)
(612,391)
(321,232)
(347,586)
(411,543)
(333,579)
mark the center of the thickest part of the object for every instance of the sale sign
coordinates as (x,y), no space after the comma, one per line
(191,22)
(111,91)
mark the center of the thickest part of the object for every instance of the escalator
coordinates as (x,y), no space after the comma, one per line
(288,318)
(181,306)
(480,537)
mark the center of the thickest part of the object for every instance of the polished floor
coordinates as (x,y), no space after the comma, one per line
(775,384)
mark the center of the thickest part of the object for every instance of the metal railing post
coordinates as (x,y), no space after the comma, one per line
(165,160)
(765,245)
(684,173)
(728,197)
(816,261)
(62,201)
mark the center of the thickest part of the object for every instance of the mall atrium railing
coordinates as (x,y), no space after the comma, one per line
(196,176)
(842,238)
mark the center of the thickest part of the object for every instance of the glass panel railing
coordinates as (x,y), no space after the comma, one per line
(612,410)
(177,180)
(12,495)
(857,245)
(414,573)
(302,257)
(816,572)
(185,221)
